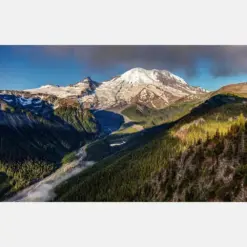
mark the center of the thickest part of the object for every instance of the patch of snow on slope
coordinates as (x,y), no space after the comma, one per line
(117,144)
(48,86)
(61,92)
(37,101)
(24,101)
(8,100)
(57,91)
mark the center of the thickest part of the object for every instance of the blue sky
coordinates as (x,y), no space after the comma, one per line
(30,67)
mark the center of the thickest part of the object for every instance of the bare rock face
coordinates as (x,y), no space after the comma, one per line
(152,88)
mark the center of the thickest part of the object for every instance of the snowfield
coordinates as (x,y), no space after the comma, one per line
(139,75)
(67,91)
(61,92)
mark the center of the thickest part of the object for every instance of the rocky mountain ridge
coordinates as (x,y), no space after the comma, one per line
(81,88)
(152,88)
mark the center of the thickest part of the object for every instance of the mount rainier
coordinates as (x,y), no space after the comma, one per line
(152,88)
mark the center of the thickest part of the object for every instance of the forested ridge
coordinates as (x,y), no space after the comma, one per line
(127,176)
(151,117)
(34,142)
(81,119)
(211,170)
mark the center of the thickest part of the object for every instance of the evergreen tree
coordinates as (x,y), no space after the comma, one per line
(241,121)
(217,135)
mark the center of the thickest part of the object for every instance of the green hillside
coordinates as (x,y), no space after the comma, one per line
(213,170)
(151,117)
(81,120)
(33,143)
(121,177)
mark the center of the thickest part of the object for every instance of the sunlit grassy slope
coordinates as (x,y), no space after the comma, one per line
(151,117)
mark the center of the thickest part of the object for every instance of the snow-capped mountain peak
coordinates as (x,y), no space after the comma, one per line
(78,89)
(86,80)
(153,88)
(140,75)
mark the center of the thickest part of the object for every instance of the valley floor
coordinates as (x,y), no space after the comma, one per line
(44,189)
